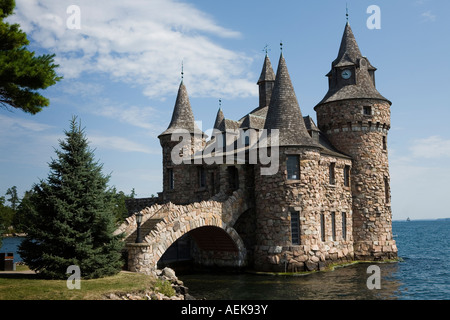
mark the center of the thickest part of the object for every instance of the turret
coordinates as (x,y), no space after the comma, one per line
(266,82)
(176,176)
(355,117)
(277,195)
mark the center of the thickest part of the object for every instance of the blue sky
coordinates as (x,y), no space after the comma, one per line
(122,70)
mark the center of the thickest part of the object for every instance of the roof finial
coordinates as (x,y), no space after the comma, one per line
(346,10)
(182,71)
(266,49)
(220,103)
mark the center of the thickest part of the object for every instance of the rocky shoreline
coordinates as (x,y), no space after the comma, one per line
(166,274)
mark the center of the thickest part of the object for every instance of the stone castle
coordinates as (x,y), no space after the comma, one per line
(327,202)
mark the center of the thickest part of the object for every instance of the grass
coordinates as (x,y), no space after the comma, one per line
(30,287)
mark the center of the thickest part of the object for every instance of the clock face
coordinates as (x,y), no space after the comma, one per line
(346,74)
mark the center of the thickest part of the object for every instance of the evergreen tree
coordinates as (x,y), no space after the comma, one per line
(71,221)
(22,73)
(13,198)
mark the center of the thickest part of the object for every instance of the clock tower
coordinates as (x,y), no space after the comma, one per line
(356,119)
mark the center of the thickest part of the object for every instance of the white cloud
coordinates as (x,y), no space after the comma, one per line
(26,141)
(433,147)
(140,42)
(120,144)
(428,16)
(142,117)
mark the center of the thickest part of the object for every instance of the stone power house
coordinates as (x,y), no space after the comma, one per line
(328,202)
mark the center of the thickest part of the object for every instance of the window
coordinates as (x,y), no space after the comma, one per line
(293,167)
(213,183)
(201,177)
(384,143)
(367,110)
(233,176)
(332,177)
(347,176)
(386,190)
(295,227)
(333,225)
(322,226)
(171,181)
(344,226)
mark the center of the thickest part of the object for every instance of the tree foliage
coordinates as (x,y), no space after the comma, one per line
(22,73)
(70,218)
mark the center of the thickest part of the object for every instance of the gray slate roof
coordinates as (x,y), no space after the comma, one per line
(267,73)
(182,116)
(284,111)
(350,55)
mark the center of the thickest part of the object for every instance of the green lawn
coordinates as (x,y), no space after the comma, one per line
(30,287)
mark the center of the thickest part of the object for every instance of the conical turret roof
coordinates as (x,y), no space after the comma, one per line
(182,116)
(219,124)
(349,53)
(267,73)
(350,57)
(284,111)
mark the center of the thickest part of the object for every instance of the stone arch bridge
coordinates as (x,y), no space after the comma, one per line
(209,222)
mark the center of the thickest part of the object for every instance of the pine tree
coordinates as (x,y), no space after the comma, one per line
(22,73)
(71,221)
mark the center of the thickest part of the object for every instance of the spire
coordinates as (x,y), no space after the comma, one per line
(265,83)
(182,116)
(219,124)
(284,111)
(349,52)
(351,76)
(267,73)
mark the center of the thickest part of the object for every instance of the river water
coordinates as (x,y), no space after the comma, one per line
(424,274)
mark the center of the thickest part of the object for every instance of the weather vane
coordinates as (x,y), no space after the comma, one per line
(266,49)
(182,71)
(346,10)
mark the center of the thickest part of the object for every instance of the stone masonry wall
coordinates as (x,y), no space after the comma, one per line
(311,196)
(364,137)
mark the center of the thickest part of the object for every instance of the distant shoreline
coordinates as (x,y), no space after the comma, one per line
(437,219)
(13,235)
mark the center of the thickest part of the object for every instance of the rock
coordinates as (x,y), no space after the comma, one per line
(311,266)
(169,273)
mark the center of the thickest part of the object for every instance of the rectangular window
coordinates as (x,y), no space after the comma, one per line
(367,110)
(171,180)
(295,227)
(201,177)
(293,167)
(347,176)
(322,226)
(333,225)
(384,143)
(344,226)
(213,183)
(332,177)
(386,190)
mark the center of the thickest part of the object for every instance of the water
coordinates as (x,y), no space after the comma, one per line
(424,274)
(11,244)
